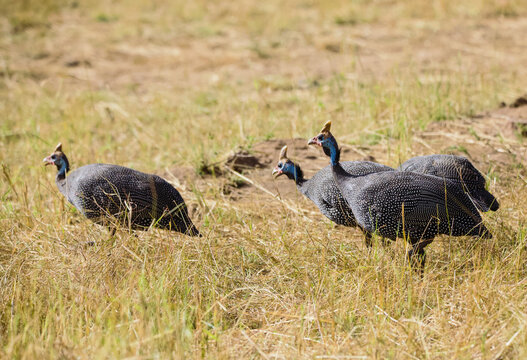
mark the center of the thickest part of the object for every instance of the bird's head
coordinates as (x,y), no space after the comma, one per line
(57,158)
(324,139)
(286,166)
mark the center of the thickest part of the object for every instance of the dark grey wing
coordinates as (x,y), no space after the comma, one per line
(419,206)
(170,208)
(361,168)
(323,190)
(334,207)
(89,192)
(459,170)
(136,198)
(102,190)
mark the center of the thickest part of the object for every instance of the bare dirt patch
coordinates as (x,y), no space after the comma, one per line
(310,159)
(514,117)
(232,55)
(244,170)
(492,140)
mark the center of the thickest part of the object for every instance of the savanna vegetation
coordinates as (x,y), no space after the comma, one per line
(173,88)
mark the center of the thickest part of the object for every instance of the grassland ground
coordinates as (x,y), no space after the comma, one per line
(177,88)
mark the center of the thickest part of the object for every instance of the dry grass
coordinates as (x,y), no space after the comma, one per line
(154,86)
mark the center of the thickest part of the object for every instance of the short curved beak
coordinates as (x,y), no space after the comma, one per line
(277,172)
(314,141)
(48,161)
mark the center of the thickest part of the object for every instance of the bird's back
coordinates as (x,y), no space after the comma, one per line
(323,191)
(457,169)
(101,190)
(418,206)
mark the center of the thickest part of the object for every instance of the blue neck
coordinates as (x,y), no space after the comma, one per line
(334,151)
(63,169)
(299,176)
(296,174)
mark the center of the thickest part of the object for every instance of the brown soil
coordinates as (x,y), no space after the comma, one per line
(183,63)
(493,141)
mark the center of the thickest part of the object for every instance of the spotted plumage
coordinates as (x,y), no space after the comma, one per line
(403,204)
(459,170)
(321,188)
(108,194)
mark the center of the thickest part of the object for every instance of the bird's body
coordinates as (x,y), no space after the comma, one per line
(459,170)
(322,190)
(109,194)
(321,187)
(403,204)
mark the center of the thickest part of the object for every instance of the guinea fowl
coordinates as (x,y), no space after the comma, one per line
(322,190)
(395,204)
(104,192)
(459,170)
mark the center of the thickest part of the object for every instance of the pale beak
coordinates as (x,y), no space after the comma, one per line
(277,172)
(48,161)
(314,141)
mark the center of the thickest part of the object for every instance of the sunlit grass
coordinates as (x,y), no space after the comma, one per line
(264,281)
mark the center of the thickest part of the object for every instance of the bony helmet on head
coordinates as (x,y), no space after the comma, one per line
(57,158)
(282,166)
(323,136)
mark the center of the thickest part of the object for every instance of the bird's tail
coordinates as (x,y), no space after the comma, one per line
(193,231)
(484,200)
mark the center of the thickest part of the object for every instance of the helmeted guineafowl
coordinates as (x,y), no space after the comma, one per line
(107,193)
(403,204)
(322,190)
(459,170)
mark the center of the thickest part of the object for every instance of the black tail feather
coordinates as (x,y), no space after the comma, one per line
(485,201)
